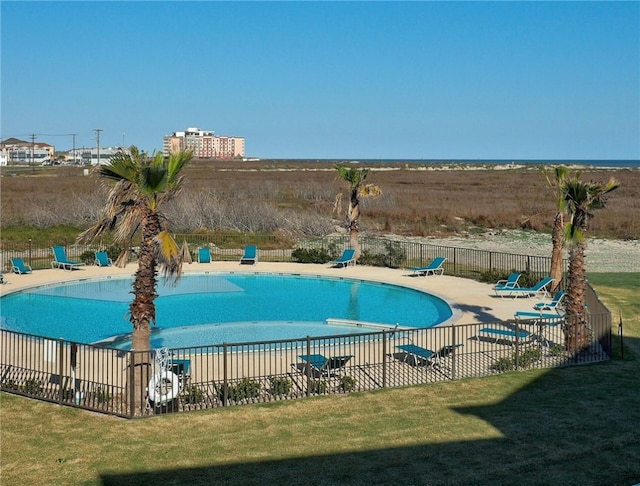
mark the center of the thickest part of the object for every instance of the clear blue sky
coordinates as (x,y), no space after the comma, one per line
(471,80)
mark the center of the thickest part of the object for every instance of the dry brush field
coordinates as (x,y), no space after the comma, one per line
(299,198)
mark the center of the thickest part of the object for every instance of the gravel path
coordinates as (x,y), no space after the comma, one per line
(602,255)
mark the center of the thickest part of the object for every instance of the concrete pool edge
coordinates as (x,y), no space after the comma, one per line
(470,301)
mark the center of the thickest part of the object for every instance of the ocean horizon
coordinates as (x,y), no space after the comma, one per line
(604,164)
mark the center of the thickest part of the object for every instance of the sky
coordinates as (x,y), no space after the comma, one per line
(329,80)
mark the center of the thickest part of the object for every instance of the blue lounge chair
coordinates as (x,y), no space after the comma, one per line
(102,259)
(548,318)
(60,259)
(435,267)
(204,255)
(250,255)
(182,369)
(19,266)
(555,303)
(546,322)
(321,365)
(508,284)
(347,258)
(503,334)
(424,356)
(538,289)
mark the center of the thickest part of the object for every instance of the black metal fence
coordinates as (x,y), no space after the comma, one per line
(462,262)
(137,384)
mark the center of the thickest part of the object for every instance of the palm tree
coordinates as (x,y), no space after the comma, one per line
(355,177)
(555,179)
(581,198)
(139,186)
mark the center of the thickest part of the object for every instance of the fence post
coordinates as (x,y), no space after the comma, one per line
(517,354)
(132,387)
(307,368)
(225,381)
(384,358)
(60,370)
(455,265)
(621,338)
(453,354)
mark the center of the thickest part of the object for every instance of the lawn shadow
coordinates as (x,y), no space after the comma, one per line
(571,425)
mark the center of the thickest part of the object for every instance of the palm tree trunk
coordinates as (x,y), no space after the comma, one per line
(141,363)
(354,217)
(576,328)
(557,238)
(143,309)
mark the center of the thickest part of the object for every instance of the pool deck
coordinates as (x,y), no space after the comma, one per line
(471,301)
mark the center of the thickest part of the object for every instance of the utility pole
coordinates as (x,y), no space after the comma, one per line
(33,137)
(98,130)
(75,155)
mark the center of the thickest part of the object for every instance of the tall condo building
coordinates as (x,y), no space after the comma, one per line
(204,144)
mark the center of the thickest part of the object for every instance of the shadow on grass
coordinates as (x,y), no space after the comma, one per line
(576,425)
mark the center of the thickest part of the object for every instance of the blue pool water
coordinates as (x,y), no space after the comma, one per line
(216,308)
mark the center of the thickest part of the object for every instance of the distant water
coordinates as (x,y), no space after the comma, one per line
(586,163)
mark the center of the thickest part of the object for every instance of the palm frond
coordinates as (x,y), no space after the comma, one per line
(573,234)
(370,190)
(353,176)
(168,255)
(185,254)
(123,257)
(175,164)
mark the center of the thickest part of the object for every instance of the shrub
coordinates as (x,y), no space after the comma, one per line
(525,359)
(242,390)
(529,356)
(347,383)
(556,350)
(492,276)
(10,385)
(372,259)
(310,255)
(317,387)
(32,387)
(392,258)
(102,396)
(527,279)
(88,257)
(503,364)
(114,252)
(192,394)
(279,385)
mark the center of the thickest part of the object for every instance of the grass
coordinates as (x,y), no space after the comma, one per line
(22,233)
(575,425)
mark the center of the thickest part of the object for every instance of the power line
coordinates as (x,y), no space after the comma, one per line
(55,134)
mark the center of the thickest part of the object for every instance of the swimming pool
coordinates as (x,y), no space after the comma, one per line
(214,308)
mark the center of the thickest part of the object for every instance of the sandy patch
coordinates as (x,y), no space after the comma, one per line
(602,255)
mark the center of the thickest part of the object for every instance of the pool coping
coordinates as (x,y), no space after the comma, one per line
(470,301)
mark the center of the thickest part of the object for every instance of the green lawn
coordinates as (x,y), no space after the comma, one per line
(574,425)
